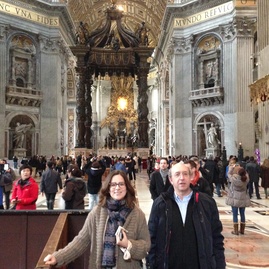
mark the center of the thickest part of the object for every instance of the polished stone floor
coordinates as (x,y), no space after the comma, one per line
(247,251)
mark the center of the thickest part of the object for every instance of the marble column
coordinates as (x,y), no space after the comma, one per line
(180,108)
(142,109)
(80,107)
(238,46)
(88,110)
(3,79)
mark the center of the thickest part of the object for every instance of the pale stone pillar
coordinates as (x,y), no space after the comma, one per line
(51,105)
(179,105)
(3,78)
(88,110)
(237,76)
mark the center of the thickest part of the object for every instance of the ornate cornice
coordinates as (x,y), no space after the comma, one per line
(227,31)
(50,45)
(109,58)
(3,32)
(187,8)
(179,46)
(183,45)
(207,96)
(240,27)
(259,90)
(23,96)
(245,26)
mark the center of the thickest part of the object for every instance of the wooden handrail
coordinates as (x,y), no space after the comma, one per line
(57,239)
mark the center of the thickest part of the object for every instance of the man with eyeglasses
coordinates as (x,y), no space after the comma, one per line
(184,226)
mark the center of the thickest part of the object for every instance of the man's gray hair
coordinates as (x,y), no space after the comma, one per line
(181,162)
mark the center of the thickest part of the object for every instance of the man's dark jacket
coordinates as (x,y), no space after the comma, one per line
(207,227)
(157,186)
(254,171)
(49,181)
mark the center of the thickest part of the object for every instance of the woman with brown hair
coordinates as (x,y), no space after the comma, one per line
(265,176)
(116,230)
(237,196)
(74,189)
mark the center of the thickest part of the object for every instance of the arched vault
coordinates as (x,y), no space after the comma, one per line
(92,12)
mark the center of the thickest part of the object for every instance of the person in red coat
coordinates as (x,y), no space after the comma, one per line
(25,190)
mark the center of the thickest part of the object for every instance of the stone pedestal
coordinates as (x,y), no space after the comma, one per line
(20,152)
(142,152)
(212,151)
(82,151)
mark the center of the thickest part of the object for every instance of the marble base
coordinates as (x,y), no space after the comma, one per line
(212,152)
(142,152)
(114,152)
(82,151)
(20,152)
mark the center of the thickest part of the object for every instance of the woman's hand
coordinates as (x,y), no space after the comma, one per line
(15,201)
(122,242)
(50,260)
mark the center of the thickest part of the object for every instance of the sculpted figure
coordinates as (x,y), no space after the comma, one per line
(212,137)
(20,133)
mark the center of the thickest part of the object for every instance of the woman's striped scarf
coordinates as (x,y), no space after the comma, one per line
(118,212)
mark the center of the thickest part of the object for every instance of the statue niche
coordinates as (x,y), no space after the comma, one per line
(22,129)
(208,54)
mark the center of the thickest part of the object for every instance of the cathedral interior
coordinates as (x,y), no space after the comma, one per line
(112,77)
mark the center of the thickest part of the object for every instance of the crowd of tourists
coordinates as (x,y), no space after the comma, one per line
(182,187)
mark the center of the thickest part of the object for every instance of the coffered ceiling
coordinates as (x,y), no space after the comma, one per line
(93,13)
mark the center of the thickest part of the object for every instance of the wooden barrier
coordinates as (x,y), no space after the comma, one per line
(57,239)
(27,237)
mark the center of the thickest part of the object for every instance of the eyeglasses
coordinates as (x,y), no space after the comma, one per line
(114,184)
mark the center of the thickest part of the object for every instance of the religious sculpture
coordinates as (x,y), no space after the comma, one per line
(20,133)
(212,137)
(142,34)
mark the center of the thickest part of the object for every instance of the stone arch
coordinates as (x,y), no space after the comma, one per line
(208,55)
(31,138)
(203,121)
(205,35)
(22,58)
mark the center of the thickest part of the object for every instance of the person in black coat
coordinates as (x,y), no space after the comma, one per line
(130,163)
(159,181)
(213,172)
(94,172)
(184,227)
(254,170)
(50,181)
(198,182)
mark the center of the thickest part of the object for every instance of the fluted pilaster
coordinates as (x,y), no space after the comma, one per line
(3,64)
(263,24)
(88,110)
